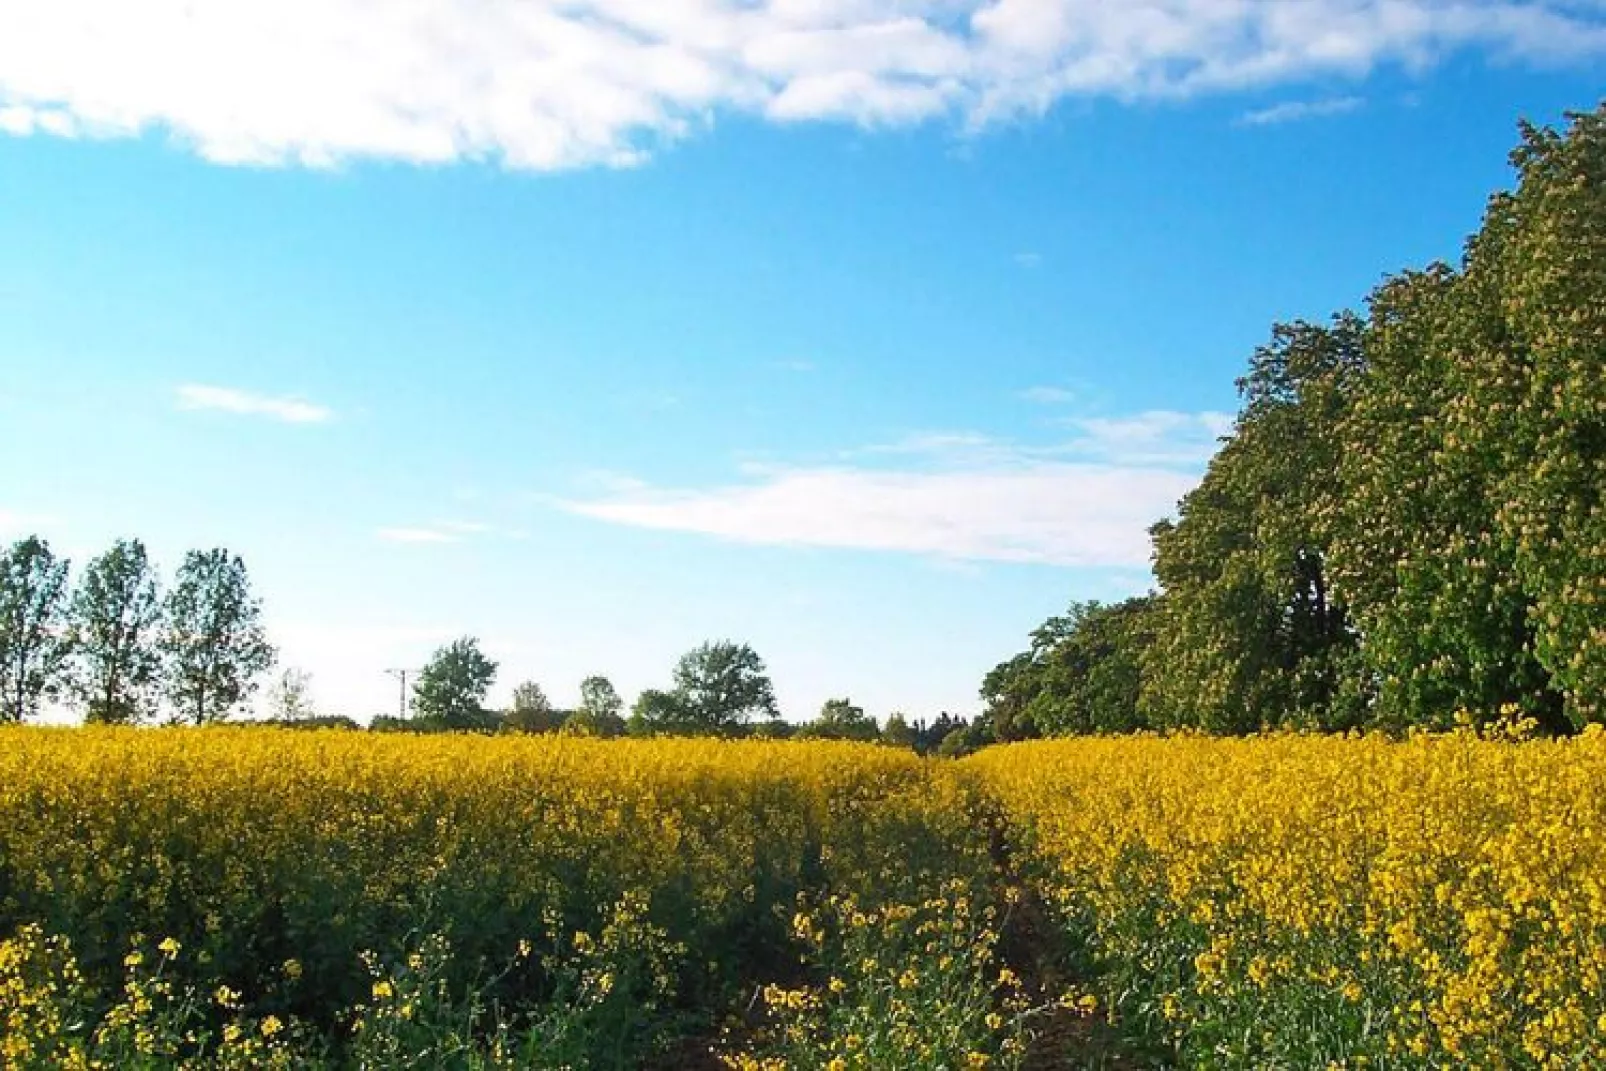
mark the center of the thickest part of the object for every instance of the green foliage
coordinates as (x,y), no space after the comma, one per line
(1081,674)
(532,711)
(1408,518)
(1472,533)
(719,688)
(116,620)
(451,689)
(660,713)
(841,719)
(600,712)
(1250,632)
(896,987)
(600,700)
(723,685)
(897,732)
(33,648)
(214,648)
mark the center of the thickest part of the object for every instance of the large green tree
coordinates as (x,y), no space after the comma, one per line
(1250,631)
(1472,541)
(1080,675)
(214,647)
(722,686)
(451,688)
(34,641)
(116,616)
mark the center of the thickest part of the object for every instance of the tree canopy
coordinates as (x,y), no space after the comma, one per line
(1406,525)
(451,688)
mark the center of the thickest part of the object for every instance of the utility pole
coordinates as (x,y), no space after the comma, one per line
(401,695)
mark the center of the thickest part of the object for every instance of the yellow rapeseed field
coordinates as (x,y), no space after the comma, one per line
(1302,901)
(281,862)
(240,897)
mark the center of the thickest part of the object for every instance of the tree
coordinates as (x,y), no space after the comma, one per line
(451,689)
(531,711)
(34,643)
(290,698)
(896,732)
(841,719)
(1081,675)
(600,712)
(929,738)
(1251,632)
(599,699)
(214,647)
(1471,534)
(116,622)
(660,713)
(722,685)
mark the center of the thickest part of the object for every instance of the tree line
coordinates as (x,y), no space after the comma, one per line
(718,689)
(1405,526)
(120,649)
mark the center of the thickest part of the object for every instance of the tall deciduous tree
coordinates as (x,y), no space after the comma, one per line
(1250,632)
(34,643)
(601,710)
(1473,535)
(532,711)
(723,685)
(116,616)
(214,647)
(452,687)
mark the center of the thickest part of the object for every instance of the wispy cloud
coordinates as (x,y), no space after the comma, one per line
(1295,110)
(1048,395)
(796,365)
(1029,260)
(1155,437)
(550,84)
(1085,502)
(230,400)
(416,535)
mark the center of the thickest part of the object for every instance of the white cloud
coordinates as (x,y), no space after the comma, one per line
(416,535)
(1048,395)
(959,497)
(549,84)
(229,400)
(1156,437)
(1294,110)
(1029,260)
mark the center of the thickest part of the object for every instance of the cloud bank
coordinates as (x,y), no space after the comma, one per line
(1085,502)
(551,84)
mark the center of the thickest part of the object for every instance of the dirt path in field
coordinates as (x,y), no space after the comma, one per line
(1033,946)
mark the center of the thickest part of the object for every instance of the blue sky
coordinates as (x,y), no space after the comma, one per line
(870,332)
